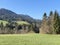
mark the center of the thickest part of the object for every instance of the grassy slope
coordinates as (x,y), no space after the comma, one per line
(29,39)
(4,22)
(18,22)
(22,23)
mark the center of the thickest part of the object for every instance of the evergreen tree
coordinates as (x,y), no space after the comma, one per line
(59,26)
(50,22)
(44,27)
(16,27)
(2,25)
(56,23)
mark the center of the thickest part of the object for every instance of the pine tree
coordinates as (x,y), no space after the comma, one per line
(44,27)
(59,26)
(56,23)
(1,25)
(50,22)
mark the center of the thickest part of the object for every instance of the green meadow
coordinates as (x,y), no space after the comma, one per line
(29,39)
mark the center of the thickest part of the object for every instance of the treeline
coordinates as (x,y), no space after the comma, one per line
(14,28)
(50,24)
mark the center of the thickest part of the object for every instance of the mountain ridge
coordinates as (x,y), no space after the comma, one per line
(6,14)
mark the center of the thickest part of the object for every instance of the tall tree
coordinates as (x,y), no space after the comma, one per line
(50,22)
(56,23)
(2,25)
(44,24)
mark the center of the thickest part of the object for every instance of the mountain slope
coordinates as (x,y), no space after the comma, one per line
(8,15)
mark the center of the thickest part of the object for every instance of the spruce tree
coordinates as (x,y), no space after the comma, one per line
(56,23)
(50,22)
(44,24)
(1,25)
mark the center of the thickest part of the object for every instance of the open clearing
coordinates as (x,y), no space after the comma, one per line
(29,39)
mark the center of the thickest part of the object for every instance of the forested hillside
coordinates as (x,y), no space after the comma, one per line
(10,22)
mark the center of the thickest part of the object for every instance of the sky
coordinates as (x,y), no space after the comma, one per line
(33,8)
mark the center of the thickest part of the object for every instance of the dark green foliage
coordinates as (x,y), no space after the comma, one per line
(36,28)
(51,24)
(1,25)
(56,22)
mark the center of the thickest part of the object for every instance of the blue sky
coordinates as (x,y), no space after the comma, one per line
(34,8)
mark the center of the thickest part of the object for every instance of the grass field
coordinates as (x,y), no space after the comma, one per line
(29,39)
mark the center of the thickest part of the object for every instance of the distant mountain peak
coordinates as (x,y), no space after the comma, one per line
(3,10)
